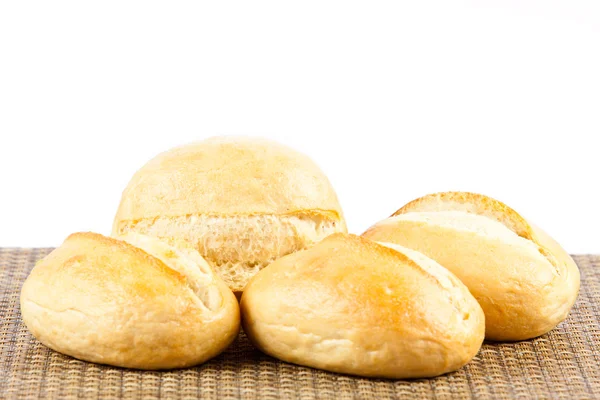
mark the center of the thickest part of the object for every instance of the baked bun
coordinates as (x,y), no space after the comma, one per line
(137,303)
(358,307)
(525,282)
(242,202)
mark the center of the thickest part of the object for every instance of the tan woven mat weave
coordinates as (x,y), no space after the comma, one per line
(562,364)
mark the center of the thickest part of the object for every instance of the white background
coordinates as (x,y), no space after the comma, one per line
(392,100)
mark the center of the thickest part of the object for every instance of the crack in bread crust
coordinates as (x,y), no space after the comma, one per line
(449,284)
(198,275)
(474,203)
(106,300)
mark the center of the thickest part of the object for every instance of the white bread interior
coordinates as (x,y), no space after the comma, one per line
(237,247)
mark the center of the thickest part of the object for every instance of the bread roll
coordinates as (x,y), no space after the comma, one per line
(354,306)
(525,282)
(139,303)
(242,202)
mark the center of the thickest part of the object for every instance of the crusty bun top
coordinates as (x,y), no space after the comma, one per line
(478,204)
(525,282)
(225,176)
(137,302)
(355,306)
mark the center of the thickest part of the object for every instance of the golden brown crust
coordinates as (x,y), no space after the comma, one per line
(104,300)
(525,282)
(486,206)
(472,203)
(121,245)
(354,306)
(228,176)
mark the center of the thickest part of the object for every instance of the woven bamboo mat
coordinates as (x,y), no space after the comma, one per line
(562,364)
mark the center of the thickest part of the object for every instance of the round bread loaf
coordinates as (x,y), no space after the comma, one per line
(138,303)
(242,202)
(525,282)
(354,306)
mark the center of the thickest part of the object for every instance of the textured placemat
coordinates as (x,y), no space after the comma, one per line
(562,364)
